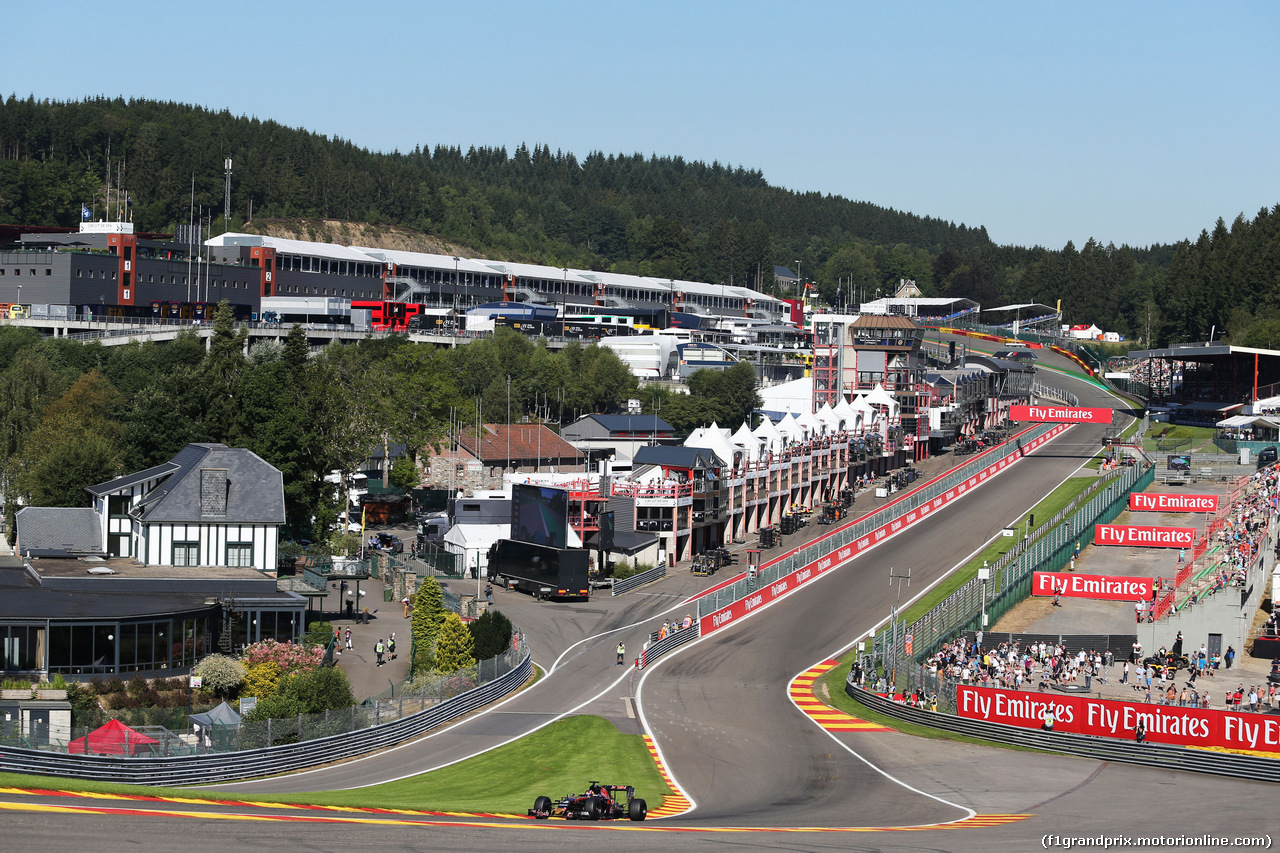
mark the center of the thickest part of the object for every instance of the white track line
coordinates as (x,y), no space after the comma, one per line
(644,721)
(488,710)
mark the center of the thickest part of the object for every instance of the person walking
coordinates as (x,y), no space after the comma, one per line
(488,593)
(379,649)
(391,645)
(622,652)
(348,639)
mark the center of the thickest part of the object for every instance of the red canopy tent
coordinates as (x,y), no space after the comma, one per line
(114,738)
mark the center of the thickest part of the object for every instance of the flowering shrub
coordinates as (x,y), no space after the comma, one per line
(220,673)
(262,680)
(290,657)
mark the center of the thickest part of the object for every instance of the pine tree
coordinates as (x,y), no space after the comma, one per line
(428,617)
(491,633)
(455,650)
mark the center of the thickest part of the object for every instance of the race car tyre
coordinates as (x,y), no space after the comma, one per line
(637,809)
(542,804)
(591,810)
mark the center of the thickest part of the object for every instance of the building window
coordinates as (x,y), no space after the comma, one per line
(48,271)
(240,554)
(186,553)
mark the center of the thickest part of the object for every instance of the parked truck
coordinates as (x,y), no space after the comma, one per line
(540,570)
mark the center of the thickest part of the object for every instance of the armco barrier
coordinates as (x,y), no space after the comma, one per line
(627,584)
(729,602)
(1160,755)
(227,766)
(660,648)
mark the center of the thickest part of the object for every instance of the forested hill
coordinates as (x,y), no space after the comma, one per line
(659,215)
(656,215)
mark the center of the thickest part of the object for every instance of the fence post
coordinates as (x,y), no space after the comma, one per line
(270,739)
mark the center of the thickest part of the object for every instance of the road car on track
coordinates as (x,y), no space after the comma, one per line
(598,802)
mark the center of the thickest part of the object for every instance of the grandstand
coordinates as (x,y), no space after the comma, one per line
(928,311)
(1027,315)
(1202,381)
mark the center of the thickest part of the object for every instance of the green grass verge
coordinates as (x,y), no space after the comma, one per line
(1198,438)
(833,681)
(556,760)
(1044,510)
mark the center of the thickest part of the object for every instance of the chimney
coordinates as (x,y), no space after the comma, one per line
(214,486)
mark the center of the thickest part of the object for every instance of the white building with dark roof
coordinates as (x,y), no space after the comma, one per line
(210,505)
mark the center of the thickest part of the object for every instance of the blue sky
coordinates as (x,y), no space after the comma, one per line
(1131,123)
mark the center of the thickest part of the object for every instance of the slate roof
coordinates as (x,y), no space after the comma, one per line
(677,457)
(254,490)
(132,479)
(633,423)
(51,529)
(527,441)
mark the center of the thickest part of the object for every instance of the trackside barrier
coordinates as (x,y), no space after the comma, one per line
(660,648)
(626,585)
(728,602)
(1050,549)
(227,766)
(1164,756)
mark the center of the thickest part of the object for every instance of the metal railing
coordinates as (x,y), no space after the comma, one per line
(1049,548)
(627,584)
(1052,393)
(377,732)
(1164,756)
(852,532)
(676,638)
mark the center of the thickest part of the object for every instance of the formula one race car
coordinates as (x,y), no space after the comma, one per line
(600,802)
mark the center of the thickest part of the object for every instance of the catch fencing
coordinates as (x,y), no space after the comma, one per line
(1049,548)
(375,732)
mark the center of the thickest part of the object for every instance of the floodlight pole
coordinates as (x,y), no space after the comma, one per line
(893,645)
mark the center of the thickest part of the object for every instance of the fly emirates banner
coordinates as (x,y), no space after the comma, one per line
(1144,502)
(1110,587)
(1143,537)
(1109,718)
(1060,414)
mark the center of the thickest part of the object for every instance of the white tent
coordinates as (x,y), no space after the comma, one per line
(793,396)
(472,541)
(881,397)
(809,423)
(791,428)
(851,419)
(774,441)
(828,418)
(713,438)
(748,441)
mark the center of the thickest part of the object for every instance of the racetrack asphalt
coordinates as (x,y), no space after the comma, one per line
(720,712)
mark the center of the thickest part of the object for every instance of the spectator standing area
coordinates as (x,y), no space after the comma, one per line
(1217,602)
